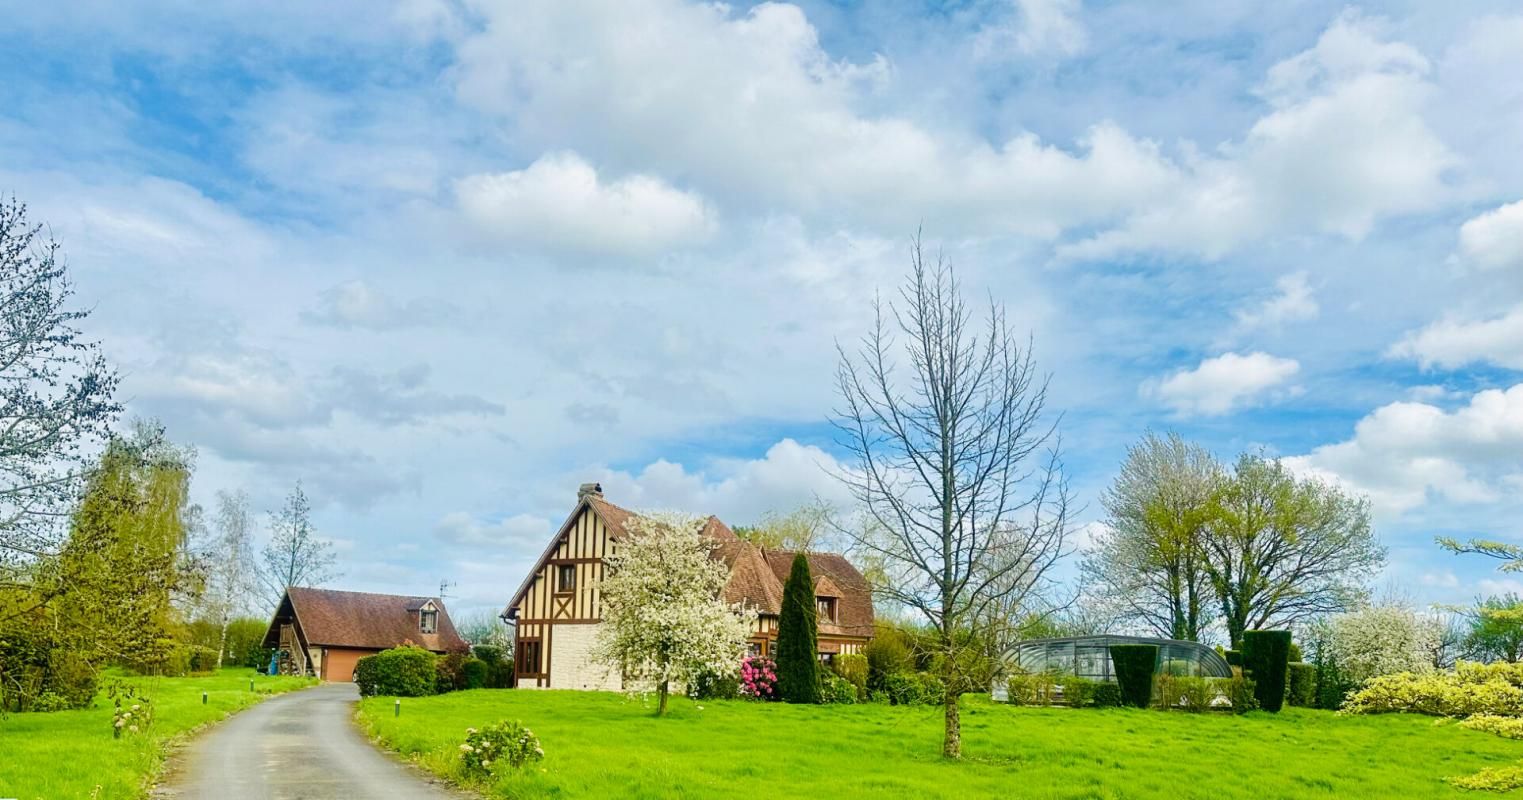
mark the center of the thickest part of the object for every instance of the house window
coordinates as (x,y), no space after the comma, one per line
(826,608)
(528,657)
(565,577)
(428,620)
(753,649)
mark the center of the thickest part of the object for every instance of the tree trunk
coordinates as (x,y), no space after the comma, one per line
(661,707)
(222,642)
(951,745)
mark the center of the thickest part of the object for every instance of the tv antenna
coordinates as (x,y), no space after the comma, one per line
(444,588)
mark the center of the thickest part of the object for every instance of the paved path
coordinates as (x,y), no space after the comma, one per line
(298,746)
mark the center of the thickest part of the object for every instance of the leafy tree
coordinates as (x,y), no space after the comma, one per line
(485,628)
(805,529)
(1510,555)
(664,619)
(1150,561)
(955,469)
(798,674)
(1496,629)
(1377,640)
(295,555)
(1281,550)
(126,559)
(55,396)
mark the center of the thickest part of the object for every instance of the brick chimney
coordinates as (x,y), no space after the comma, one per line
(594,489)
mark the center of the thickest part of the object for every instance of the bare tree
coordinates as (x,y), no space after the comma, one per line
(1150,561)
(55,395)
(955,469)
(295,555)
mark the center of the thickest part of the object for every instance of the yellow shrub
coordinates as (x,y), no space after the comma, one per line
(1506,727)
(1444,694)
(1492,779)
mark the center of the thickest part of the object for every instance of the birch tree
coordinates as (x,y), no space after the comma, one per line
(56,389)
(295,554)
(231,583)
(956,469)
(665,621)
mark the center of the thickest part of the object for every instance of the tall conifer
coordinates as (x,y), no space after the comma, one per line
(798,667)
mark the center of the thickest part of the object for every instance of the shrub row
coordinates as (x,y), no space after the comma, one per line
(1470,689)
(414,672)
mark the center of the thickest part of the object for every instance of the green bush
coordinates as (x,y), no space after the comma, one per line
(1196,694)
(1167,691)
(1031,689)
(902,688)
(1239,691)
(1134,665)
(401,672)
(1107,695)
(932,690)
(1301,685)
(1333,686)
(499,666)
(853,667)
(1078,692)
(1467,690)
(477,673)
(836,689)
(1295,653)
(1266,657)
(1234,658)
(450,672)
(712,686)
(887,654)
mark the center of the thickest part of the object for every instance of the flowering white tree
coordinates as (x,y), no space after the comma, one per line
(1380,640)
(664,620)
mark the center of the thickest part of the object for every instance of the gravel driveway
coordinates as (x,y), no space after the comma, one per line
(301,745)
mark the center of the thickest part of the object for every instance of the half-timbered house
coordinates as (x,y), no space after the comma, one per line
(556,610)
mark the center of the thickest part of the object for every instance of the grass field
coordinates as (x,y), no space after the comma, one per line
(606,745)
(71,754)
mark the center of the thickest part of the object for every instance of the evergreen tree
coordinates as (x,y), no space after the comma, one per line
(798,674)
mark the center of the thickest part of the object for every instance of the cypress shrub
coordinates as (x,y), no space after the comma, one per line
(1234,658)
(1266,656)
(798,670)
(1134,672)
(1301,685)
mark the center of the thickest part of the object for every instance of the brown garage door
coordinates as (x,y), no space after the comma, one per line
(338,663)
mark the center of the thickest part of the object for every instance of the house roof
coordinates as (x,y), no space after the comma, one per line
(373,621)
(757,574)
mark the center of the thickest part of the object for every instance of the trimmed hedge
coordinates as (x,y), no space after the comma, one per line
(1107,695)
(1078,692)
(1301,685)
(1234,658)
(1134,672)
(1266,659)
(400,672)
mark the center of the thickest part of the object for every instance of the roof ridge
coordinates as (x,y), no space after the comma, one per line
(372,594)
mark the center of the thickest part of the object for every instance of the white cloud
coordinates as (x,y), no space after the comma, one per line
(357,304)
(524,533)
(1295,301)
(1219,385)
(1036,28)
(1404,453)
(1344,144)
(1453,343)
(738,491)
(560,202)
(1445,579)
(1494,240)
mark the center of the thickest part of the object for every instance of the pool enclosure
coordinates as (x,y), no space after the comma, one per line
(1090,657)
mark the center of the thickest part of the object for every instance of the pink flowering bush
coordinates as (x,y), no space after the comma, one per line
(758,678)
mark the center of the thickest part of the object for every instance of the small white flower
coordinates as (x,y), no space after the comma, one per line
(465,748)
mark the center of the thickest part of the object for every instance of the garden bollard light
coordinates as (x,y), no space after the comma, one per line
(251,684)
(203,698)
(398,708)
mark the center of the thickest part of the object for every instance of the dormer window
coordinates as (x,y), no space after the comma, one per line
(428,619)
(825,607)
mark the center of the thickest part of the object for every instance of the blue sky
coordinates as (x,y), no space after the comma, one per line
(444,261)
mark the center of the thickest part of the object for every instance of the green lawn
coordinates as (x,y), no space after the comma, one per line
(606,745)
(71,754)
